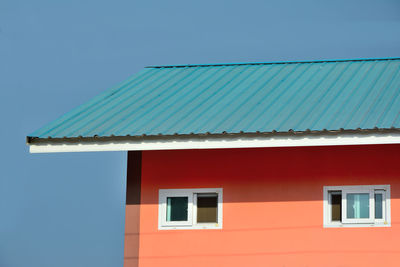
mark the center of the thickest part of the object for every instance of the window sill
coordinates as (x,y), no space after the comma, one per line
(355,225)
(193,227)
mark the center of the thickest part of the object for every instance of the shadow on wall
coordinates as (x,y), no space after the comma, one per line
(133,184)
(269,174)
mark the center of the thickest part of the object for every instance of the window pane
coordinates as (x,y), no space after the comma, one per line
(358,206)
(336,205)
(177,209)
(207,208)
(378,206)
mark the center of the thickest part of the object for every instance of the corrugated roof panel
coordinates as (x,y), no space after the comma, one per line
(390,115)
(362,108)
(351,102)
(236,106)
(385,95)
(147,101)
(269,93)
(174,110)
(282,109)
(301,111)
(234,98)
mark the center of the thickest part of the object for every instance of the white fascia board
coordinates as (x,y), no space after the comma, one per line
(173,143)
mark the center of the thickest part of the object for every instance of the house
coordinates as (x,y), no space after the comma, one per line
(251,164)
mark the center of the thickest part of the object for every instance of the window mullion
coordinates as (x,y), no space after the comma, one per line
(372,205)
(194,209)
(344,207)
(190,209)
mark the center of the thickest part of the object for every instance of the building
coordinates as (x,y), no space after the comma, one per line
(253,164)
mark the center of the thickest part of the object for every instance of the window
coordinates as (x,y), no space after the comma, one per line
(357,206)
(190,208)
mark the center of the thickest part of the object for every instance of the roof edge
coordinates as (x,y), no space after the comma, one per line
(36,140)
(217,142)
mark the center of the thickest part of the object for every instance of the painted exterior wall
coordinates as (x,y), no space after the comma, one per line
(272,207)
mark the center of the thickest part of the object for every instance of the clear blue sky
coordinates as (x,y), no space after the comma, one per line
(68,209)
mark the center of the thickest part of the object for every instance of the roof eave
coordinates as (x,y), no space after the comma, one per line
(214,141)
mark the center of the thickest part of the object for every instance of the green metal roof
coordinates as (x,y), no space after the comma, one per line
(242,98)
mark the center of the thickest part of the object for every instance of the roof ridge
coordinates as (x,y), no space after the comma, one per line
(273,62)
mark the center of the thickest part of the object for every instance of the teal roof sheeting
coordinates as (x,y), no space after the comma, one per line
(242,98)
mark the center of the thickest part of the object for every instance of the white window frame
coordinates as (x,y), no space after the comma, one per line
(163,203)
(191,223)
(365,222)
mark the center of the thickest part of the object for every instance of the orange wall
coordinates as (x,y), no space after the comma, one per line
(272,207)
